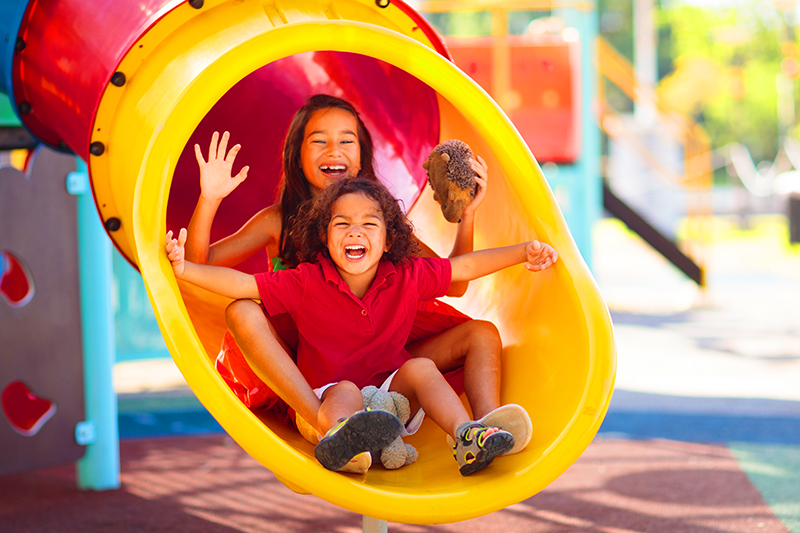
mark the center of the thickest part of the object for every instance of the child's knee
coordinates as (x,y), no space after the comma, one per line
(419,366)
(485,331)
(239,312)
(344,389)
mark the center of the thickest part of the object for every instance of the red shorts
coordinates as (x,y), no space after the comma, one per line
(432,317)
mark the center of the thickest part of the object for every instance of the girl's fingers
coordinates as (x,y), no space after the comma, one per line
(232,154)
(242,175)
(182,237)
(212,148)
(199,155)
(223,145)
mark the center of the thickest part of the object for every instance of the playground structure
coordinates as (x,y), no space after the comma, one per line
(159,76)
(692,175)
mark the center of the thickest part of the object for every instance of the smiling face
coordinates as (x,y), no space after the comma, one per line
(330,148)
(356,239)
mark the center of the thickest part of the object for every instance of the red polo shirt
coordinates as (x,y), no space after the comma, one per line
(344,337)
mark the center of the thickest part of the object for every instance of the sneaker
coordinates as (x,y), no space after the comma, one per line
(358,464)
(474,450)
(362,432)
(512,418)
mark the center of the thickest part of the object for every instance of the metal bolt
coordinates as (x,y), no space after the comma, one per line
(112,224)
(197,4)
(118,79)
(24,108)
(97,148)
(20,45)
(383,3)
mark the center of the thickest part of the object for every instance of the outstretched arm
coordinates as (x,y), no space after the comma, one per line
(537,256)
(216,183)
(220,280)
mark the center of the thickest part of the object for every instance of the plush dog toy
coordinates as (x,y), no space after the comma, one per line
(397,453)
(451,177)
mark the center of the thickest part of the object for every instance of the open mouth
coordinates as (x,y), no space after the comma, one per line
(354,251)
(334,171)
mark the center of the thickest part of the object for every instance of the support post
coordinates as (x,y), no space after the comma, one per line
(373,525)
(99,468)
(579,185)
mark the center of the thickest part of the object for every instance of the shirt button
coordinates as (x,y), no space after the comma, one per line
(364,312)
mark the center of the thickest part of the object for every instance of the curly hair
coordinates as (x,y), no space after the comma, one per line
(293,188)
(311,228)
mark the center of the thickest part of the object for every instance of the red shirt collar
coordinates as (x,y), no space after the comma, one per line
(385,269)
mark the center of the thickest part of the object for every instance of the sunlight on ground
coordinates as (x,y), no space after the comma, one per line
(738,338)
(634,278)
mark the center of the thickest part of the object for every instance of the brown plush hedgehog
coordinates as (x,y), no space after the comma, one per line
(451,177)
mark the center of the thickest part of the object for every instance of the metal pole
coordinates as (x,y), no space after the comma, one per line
(645,60)
(99,468)
(373,525)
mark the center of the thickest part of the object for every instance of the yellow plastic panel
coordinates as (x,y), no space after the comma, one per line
(559,360)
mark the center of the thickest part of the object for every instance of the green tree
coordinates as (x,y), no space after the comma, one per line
(726,65)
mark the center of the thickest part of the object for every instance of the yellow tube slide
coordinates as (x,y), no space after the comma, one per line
(559,358)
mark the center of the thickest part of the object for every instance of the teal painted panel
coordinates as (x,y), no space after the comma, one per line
(7,116)
(137,333)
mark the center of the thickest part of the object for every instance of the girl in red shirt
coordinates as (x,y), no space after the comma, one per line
(361,245)
(327,140)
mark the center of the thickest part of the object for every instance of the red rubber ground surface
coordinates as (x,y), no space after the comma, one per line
(209,484)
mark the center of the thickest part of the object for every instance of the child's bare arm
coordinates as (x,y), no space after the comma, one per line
(220,280)
(536,256)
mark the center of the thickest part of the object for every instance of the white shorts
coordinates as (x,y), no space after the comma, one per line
(313,436)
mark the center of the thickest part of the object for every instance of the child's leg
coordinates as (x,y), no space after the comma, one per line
(339,401)
(267,356)
(475,445)
(351,431)
(475,345)
(424,385)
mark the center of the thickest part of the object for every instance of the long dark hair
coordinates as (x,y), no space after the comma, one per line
(310,232)
(293,189)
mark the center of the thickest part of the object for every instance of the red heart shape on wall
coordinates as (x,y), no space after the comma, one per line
(25,411)
(16,284)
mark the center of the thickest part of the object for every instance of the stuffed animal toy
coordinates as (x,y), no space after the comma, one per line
(451,177)
(397,453)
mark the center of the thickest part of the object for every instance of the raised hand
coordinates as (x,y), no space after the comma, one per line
(540,256)
(481,176)
(216,181)
(176,252)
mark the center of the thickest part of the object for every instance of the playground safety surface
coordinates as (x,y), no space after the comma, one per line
(702,436)
(208,484)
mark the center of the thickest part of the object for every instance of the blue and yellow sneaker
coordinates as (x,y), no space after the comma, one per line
(475,450)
